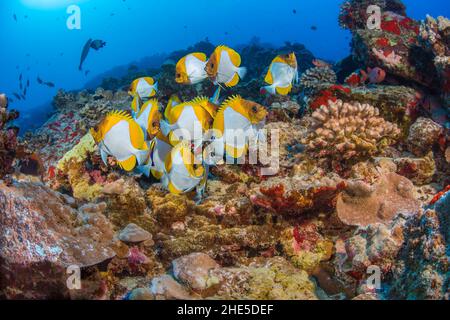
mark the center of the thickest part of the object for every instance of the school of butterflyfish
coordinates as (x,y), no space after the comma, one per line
(179,143)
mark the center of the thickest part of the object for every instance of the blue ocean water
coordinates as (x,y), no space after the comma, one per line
(35,40)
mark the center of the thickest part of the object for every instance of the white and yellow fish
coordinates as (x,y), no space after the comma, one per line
(224,67)
(145,88)
(149,118)
(118,135)
(282,74)
(237,123)
(186,122)
(182,173)
(191,69)
(160,147)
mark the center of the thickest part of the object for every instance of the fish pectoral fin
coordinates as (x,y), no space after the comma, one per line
(234,81)
(284,91)
(129,164)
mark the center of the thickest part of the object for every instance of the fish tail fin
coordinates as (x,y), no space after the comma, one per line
(142,156)
(268,89)
(165,127)
(242,71)
(155,87)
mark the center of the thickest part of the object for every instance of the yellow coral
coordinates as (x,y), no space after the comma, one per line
(79,152)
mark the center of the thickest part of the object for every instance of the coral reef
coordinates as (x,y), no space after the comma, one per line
(362,204)
(363,184)
(316,79)
(344,131)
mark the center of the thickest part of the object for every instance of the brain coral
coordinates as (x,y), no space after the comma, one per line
(343,131)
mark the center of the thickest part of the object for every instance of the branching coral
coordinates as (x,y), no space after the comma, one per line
(344,131)
(316,79)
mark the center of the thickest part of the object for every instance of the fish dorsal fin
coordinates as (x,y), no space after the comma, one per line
(200,55)
(234,56)
(149,80)
(200,100)
(230,102)
(279,59)
(120,115)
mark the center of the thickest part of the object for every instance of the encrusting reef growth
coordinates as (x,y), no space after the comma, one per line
(363,180)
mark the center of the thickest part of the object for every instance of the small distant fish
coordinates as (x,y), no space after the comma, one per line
(294,11)
(90,44)
(28,83)
(224,67)
(87,72)
(118,135)
(191,68)
(17,96)
(321,64)
(15,17)
(48,84)
(314,28)
(25,92)
(282,74)
(145,88)
(23,97)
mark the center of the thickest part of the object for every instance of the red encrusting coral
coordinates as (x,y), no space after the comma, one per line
(437,197)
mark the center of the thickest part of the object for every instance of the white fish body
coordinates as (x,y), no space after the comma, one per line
(195,69)
(117,143)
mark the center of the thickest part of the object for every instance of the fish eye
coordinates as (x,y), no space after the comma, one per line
(195,166)
(178,75)
(213,154)
(255,109)
(212,65)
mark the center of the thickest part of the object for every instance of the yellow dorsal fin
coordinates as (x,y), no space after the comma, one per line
(200,100)
(150,80)
(235,57)
(200,55)
(120,114)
